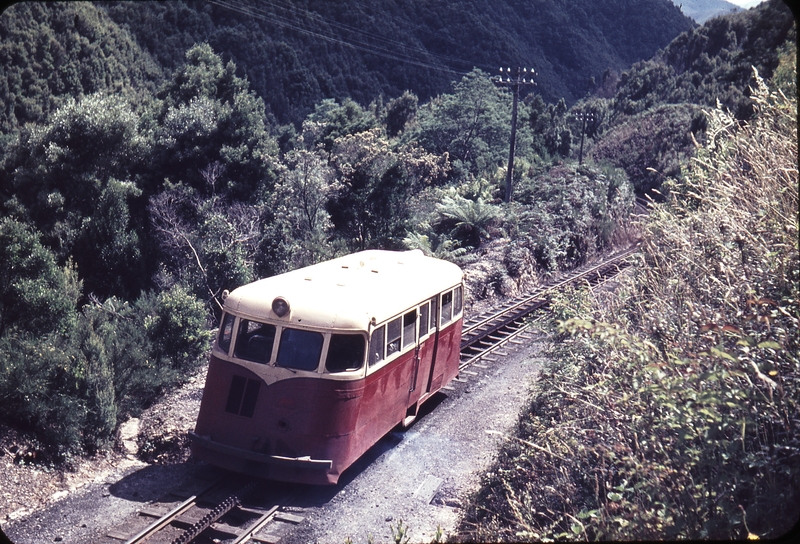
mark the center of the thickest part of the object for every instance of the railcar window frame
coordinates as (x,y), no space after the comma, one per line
(424,319)
(451,306)
(394,335)
(240,351)
(446,308)
(283,330)
(225,335)
(377,346)
(409,329)
(331,339)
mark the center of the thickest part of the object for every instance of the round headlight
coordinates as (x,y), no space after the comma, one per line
(280,306)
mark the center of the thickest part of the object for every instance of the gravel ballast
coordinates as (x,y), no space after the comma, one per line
(421,476)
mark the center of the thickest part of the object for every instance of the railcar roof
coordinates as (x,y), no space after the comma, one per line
(347,292)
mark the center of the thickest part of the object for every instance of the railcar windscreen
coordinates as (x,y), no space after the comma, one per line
(299,349)
(254,341)
(345,353)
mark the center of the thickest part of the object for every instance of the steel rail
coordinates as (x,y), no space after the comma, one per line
(163,521)
(483,326)
(268,516)
(481,353)
(170,516)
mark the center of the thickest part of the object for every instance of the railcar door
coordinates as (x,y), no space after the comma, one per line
(434,340)
(424,357)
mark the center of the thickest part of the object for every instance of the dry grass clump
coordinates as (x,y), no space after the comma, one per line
(672,411)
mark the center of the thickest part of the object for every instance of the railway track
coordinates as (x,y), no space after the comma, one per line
(233,510)
(486,334)
(226,508)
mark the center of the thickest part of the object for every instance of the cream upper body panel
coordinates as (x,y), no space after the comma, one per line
(347,293)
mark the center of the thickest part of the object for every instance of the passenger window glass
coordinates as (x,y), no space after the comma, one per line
(393,330)
(447,307)
(299,349)
(376,345)
(457,301)
(424,311)
(345,352)
(434,311)
(226,332)
(409,326)
(254,341)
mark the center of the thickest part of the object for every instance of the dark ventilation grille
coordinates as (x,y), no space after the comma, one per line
(242,396)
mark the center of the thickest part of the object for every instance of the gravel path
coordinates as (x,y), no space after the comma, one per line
(421,476)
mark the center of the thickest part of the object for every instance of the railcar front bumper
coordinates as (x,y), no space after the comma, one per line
(273,460)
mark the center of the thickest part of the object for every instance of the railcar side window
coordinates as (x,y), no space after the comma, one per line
(409,326)
(457,301)
(254,341)
(424,312)
(376,345)
(393,330)
(447,307)
(226,332)
(345,352)
(299,349)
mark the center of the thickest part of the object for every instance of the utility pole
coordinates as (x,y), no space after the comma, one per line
(514,83)
(583,117)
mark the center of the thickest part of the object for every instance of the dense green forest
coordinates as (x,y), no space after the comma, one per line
(295,54)
(149,161)
(668,408)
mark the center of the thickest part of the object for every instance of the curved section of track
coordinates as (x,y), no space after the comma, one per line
(486,333)
(226,510)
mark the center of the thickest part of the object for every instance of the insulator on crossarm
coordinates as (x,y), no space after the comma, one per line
(501,69)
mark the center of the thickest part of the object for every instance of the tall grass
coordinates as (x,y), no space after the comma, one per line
(671,409)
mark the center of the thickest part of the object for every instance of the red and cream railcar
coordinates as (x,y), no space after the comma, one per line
(313,367)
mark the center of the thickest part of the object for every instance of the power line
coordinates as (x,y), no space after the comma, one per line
(361,46)
(385,40)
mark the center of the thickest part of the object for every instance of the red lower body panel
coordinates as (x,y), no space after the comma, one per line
(310,429)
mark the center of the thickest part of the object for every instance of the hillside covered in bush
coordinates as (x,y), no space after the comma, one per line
(669,408)
(148,163)
(295,54)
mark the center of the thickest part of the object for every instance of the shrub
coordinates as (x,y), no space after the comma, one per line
(652,146)
(680,419)
(572,212)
